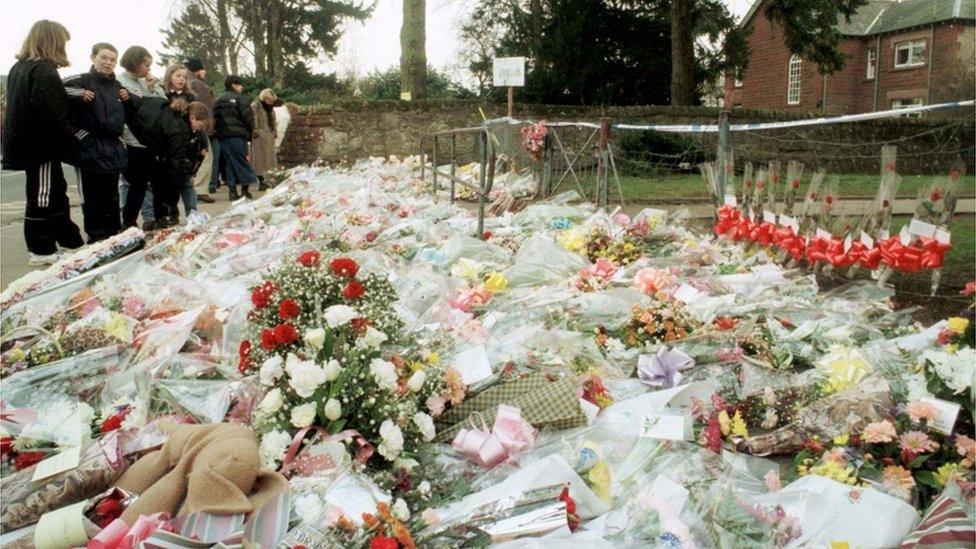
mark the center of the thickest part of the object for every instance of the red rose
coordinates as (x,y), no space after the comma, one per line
(486,235)
(795,184)
(244,349)
(285,334)
(829,200)
(261,296)
(26,459)
(343,266)
(288,309)
(309,258)
(6,445)
(268,340)
(383,542)
(353,290)
(112,423)
(570,509)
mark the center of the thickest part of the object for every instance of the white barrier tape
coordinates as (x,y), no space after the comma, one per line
(711,128)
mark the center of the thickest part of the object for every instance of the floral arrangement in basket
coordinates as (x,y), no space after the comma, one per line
(314,339)
(534,139)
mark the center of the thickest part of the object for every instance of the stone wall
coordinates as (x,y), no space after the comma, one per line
(353,130)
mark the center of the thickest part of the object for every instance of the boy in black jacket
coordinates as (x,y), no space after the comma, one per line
(233,125)
(97,109)
(37,136)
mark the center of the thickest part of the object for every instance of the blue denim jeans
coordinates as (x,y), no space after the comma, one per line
(147,202)
(189,196)
(237,170)
(215,168)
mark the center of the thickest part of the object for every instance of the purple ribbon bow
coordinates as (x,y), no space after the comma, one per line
(663,369)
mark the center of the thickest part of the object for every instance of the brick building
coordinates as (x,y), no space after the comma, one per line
(898,54)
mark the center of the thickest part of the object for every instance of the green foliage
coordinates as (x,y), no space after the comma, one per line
(651,152)
(810,28)
(193,34)
(385,86)
(300,86)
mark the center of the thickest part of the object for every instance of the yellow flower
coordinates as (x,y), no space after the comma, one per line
(946,473)
(17,355)
(951,349)
(739,425)
(415,365)
(572,239)
(843,368)
(958,324)
(835,471)
(724,423)
(466,268)
(118,328)
(842,440)
(434,358)
(496,282)
(600,480)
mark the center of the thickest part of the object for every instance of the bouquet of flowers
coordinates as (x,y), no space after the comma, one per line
(534,139)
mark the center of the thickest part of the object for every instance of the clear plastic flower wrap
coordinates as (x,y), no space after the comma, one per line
(80,377)
(540,261)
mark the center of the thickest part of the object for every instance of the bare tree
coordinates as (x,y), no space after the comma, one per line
(413,49)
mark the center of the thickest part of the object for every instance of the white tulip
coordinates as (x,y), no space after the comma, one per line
(332,370)
(333,409)
(416,382)
(315,338)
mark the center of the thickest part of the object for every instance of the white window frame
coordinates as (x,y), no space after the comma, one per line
(872,67)
(737,81)
(794,74)
(908,102)
(909,46)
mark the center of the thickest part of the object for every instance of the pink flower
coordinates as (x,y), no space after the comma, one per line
(970,288)
(622,219)
(648,281)
(966,447)
(604,268)
(879,432)
(772,480)
(917,442)
(920,410)
(471,298)
(730,355)
(134,307)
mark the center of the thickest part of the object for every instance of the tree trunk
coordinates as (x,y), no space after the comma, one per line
(682,53)
(413,49)
(536,19)
(229,60)
(256,25)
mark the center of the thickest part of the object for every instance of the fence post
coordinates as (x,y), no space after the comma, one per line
(603,165)
(482,174)
(434,167)
(547,166)
(423,158)
(724,145)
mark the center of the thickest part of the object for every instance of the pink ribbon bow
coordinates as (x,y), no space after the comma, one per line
(509,435)
(118,535)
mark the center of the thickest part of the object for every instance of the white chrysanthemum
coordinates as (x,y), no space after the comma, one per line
(426,425)
(309,508)
(304,376)
(372,339)
(303,416)
(392,443)
(272,401)
(957,370)
(271,370)
(339,315)
(384,372)
(272,448)
(424,488)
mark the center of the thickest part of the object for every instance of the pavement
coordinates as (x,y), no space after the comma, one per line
(13,250)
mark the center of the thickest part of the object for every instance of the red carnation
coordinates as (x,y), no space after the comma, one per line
(112,423)
(353,290)
(268,340)
(970,288)
(486,235)
(6,445)
(383,542)
(309,258)
(571,515)
(261,296)
(936,195)
(343,266)
(288,309)
(285,334)
(359,325)
(26,459)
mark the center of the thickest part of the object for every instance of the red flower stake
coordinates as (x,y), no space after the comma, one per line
(353,290)
(571,515)
(383,542)
(310,258)
(285,334)
(288,308)
(343,266)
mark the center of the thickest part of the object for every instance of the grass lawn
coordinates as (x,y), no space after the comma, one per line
(691,185)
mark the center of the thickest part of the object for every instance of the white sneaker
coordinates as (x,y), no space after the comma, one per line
(37,260)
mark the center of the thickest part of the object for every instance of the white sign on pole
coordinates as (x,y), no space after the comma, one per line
(508,71)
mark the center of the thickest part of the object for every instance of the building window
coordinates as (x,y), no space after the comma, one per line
(910,54)
(906,103)
(737,81)
(793,83)
(872,64)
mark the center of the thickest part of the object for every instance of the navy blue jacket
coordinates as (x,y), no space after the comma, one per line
(100,121)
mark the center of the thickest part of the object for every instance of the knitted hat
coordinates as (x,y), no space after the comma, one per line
(211,468)
(193,64)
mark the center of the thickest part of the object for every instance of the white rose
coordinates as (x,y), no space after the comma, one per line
(384,372)
(338,315)
(400,509)
(271,370)
(373,338)
(315,337)
(272,448)
(303,416)
(426,425)
(272,402)
(416,382)
(304,376)
(424,488)
(309,507)
(332,370)
(333,409)
(392,443)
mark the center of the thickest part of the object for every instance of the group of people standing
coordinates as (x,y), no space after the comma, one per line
(139,146)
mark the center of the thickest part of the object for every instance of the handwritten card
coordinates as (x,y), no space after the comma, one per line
(921,228)
(769,217)
(730,200)
(664,427)
(946,414)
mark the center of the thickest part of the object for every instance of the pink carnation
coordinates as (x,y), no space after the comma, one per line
(920,410)
(648,281)
(879,432)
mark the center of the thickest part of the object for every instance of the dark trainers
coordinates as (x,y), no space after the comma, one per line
(205,198)
(149,225)
(262,187)
(233,195)
(247,193)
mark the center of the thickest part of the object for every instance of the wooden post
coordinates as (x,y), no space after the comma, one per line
(603,164)
(423,159)
(547,167)
(434,161)
(511,102)
(453,163)
(482,175)
(722,154)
